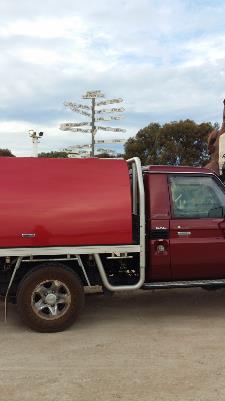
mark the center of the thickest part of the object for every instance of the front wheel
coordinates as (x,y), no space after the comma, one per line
(50,298)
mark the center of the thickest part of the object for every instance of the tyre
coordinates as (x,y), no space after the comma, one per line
(50,297)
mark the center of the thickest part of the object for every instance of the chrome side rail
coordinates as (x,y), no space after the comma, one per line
(139,194)
(183,284)
(68,250)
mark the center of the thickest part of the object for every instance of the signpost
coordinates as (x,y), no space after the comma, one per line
(92,111)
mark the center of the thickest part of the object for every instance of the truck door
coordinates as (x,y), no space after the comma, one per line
(158,220)
(197,227)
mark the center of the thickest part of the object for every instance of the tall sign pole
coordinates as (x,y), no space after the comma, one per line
(95,114)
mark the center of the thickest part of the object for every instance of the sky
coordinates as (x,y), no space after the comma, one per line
(165,58)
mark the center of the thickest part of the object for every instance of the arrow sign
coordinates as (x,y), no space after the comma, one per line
(67,126)
(78,110)
(111,129)
(100,141)
(77,105)
(110,110)
(92,95)
(110,118)
(97,141)
(110,101)
(104,150)
(79,130)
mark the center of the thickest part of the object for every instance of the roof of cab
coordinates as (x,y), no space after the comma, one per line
(177,169)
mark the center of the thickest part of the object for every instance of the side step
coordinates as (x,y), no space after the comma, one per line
(183,284)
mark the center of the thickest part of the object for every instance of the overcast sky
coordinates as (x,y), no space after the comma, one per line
(165,58)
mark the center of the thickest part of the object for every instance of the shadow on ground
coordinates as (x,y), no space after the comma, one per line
(154,304)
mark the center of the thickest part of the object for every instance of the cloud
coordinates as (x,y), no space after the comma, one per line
(165,58)
(43,28)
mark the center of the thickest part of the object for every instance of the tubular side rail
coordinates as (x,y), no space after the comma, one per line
(138,195)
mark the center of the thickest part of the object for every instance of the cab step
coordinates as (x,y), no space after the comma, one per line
(183,284)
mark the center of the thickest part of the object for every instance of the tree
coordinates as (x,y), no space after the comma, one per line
(145,144)
(176,143)
(56,154)
(6,153)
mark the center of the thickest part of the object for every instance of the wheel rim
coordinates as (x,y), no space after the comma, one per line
(51,299)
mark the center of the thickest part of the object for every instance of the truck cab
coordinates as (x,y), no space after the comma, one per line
(185,224)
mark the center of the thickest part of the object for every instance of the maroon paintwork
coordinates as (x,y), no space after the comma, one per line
(64,202)
(158,207)
(199,256)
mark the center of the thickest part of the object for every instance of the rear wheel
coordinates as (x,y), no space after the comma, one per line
(50,298)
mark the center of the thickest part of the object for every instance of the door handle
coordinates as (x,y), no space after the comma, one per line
(29,235)
(184,233)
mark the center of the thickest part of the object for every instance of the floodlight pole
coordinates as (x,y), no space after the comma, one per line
(35,141)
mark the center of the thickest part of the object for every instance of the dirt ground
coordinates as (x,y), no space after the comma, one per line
(153,346)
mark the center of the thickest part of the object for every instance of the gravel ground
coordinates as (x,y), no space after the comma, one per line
(153,346)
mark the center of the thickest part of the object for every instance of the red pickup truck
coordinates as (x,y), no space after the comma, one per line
(71,223)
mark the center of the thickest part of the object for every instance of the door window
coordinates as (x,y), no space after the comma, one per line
(196,197)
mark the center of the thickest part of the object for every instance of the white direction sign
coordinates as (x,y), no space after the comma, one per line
(77,148)
(93,95)
(103,150)
(68,126)
(81,111)
(110,118)
(110,101)
(73,107)
(114,110)
(111,129)
(77,105)
(80,130)
(98,141)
